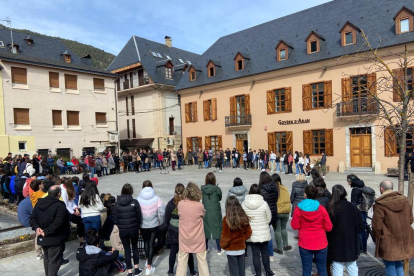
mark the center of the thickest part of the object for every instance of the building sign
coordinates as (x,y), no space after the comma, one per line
(293,122)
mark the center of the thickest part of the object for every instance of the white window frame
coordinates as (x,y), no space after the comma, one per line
(408,25)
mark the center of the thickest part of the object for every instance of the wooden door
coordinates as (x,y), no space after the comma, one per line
(239,147)
(361,150)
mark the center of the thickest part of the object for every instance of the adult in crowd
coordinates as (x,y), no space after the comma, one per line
(61,165)
(315,175)
(238,190)
(200,158)
(127,216)
(50,220)
(298,192)
(324,196)
(173,159)
(391,225)
(322,163)
(24,211)
(312,221)
(213,219)
(91,164)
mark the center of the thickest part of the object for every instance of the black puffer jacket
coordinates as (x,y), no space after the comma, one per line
(127,216)
(171,216)
(270,195)
(356,193)
(324,198)
(94,263)
(298,193)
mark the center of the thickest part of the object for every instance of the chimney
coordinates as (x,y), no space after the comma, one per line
(168,41)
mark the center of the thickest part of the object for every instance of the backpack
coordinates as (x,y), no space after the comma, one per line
(368,199)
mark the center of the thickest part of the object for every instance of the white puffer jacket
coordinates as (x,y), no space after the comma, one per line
(152,208)
(259,212)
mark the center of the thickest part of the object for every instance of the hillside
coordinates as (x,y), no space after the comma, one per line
(100,58)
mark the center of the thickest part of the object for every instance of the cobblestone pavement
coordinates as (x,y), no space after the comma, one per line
(287,264)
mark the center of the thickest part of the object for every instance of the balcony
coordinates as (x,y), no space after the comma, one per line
(174,130)
(238,120)
(357,107)
(126,84)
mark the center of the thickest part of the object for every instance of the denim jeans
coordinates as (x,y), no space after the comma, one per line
(297,168)
(93,171)
(92,222)
(320,259)
(180,163)
(62,170)
(283,167)
(217,243)
(301,168)
(364,234)
(277,166)
(270,248)
(338,268)
(104,170)
(206,164)
(228,164)
(272,165)
(393,268)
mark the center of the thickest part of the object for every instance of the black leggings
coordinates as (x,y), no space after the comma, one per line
(149,235)
(260,248)
(127,243)
(173,255)
(80,226)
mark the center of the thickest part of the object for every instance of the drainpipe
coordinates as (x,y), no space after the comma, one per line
(116,118)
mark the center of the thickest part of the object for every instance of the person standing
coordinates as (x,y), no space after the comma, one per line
(391,226)
(322,163)
(298,192)
(111,164)
(173,159)
(210,157)
(91,162)
(272,158)
(238,190)
(180,158)
(91,206)
(290,163)
(50,220)
(296,157)
(200,157)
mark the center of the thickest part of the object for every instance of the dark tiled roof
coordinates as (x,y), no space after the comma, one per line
(375,17)
(139,49)
(44,51)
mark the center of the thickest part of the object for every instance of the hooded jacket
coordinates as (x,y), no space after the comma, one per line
(283,202)
(259,212)
(356,193)
(152,208)
(312,221)
(270,195)
(93,261)
(391,225)
(127,216)
(298,193)
(239,192)
(213,219)
(50,215)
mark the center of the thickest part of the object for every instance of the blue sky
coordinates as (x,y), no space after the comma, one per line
(193,25)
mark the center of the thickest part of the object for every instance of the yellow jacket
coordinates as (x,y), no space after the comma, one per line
(283,202)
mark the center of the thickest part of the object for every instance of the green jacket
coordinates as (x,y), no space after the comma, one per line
(213,219)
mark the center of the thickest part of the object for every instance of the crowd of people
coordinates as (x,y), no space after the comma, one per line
(331,231)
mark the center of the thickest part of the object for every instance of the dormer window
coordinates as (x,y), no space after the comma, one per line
(211,68)
(240,61)
(348,34)
(240,65)
(314,47)
(282,54)
(193,76)
(404,21)
(14,48)
(192,72)
(211,72)
(29,40)
(282,50)
(168,73)
(67,56)
(313,43)
(349,38)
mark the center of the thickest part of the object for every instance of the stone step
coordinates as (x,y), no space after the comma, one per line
(357,170)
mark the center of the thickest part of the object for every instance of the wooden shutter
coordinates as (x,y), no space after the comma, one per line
(21,116)
(219,141)
(306,97)
(72,118)
(71,82)
(288,97)
(19,75)
(372,83)
(57,117)
(200,142)
(100,117)
(53,80)
(187,113)
(307,142)
(207,142)
(289,141)
(346,89)
(271,141)
(270,101)
(390,142)
(397,82)
(247,103)
(214,107)
(233,109)
(206,110)
(327,90)
(98,84)
(329,142)
(195,116)
(189,144)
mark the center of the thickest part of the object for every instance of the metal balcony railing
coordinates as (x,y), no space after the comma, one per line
(357,107)
(238,120)
(174,130)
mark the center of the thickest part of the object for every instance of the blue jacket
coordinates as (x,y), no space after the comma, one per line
(24,211)
(12,189)
(50,162)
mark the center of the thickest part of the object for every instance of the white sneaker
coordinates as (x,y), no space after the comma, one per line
(272,258)
(149,271)
(39,257)
(221,252)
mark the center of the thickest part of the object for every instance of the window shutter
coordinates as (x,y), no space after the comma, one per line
(327,90)
(270,101)
(54,80)
(187,113)
(289,141)
(72,118)
(195,116)
(232,110)
(307,142)
(98,84)
(247,103)
(200,142)
(19,75)
(397,81)
(329,142)
(390,142)
(207,142)
(288,102)
(372,83)
(57,117)
(346,89)
(206,110)
(71,82)
(100,117)
(219,141)
(189,144)
(21,116)
(214,107)
(306,97)
(271,141)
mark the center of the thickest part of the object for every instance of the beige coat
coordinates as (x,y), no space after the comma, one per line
(173,156)
(283,202)
(116,240)
(191,226)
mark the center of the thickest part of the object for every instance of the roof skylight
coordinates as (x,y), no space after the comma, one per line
(189,62)
(182,61)
(1,44)
(159,55)
(168,57)
(154,53)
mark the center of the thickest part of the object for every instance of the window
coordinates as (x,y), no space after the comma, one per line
(182,61)
(168,57)
(21,116)
(72,118)
(314,46)
(193,74)
(168,72)
(239,65)
(71,82)
(210,110)
(100,118)
(410,79)
(68,58)
(159,55)
(194,143)
(154,53)
(63,152)
(279,100)
(349,38)
(98,84)
(128,135)
(359,87)
(191,112)
(57,118)
(134,134)
(189,62)
(53,80)
(213,142)
(19,75)
(132,105)
(317,141)
(390,142)
(282,54)
(318,95)
(126,103)
(360,130)
(211,71)
(280,142)
(405,25)
(22,146)
(398,81)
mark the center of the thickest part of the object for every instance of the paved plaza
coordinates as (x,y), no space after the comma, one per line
(287,264)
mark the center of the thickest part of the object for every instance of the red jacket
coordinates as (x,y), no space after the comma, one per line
(312,227)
